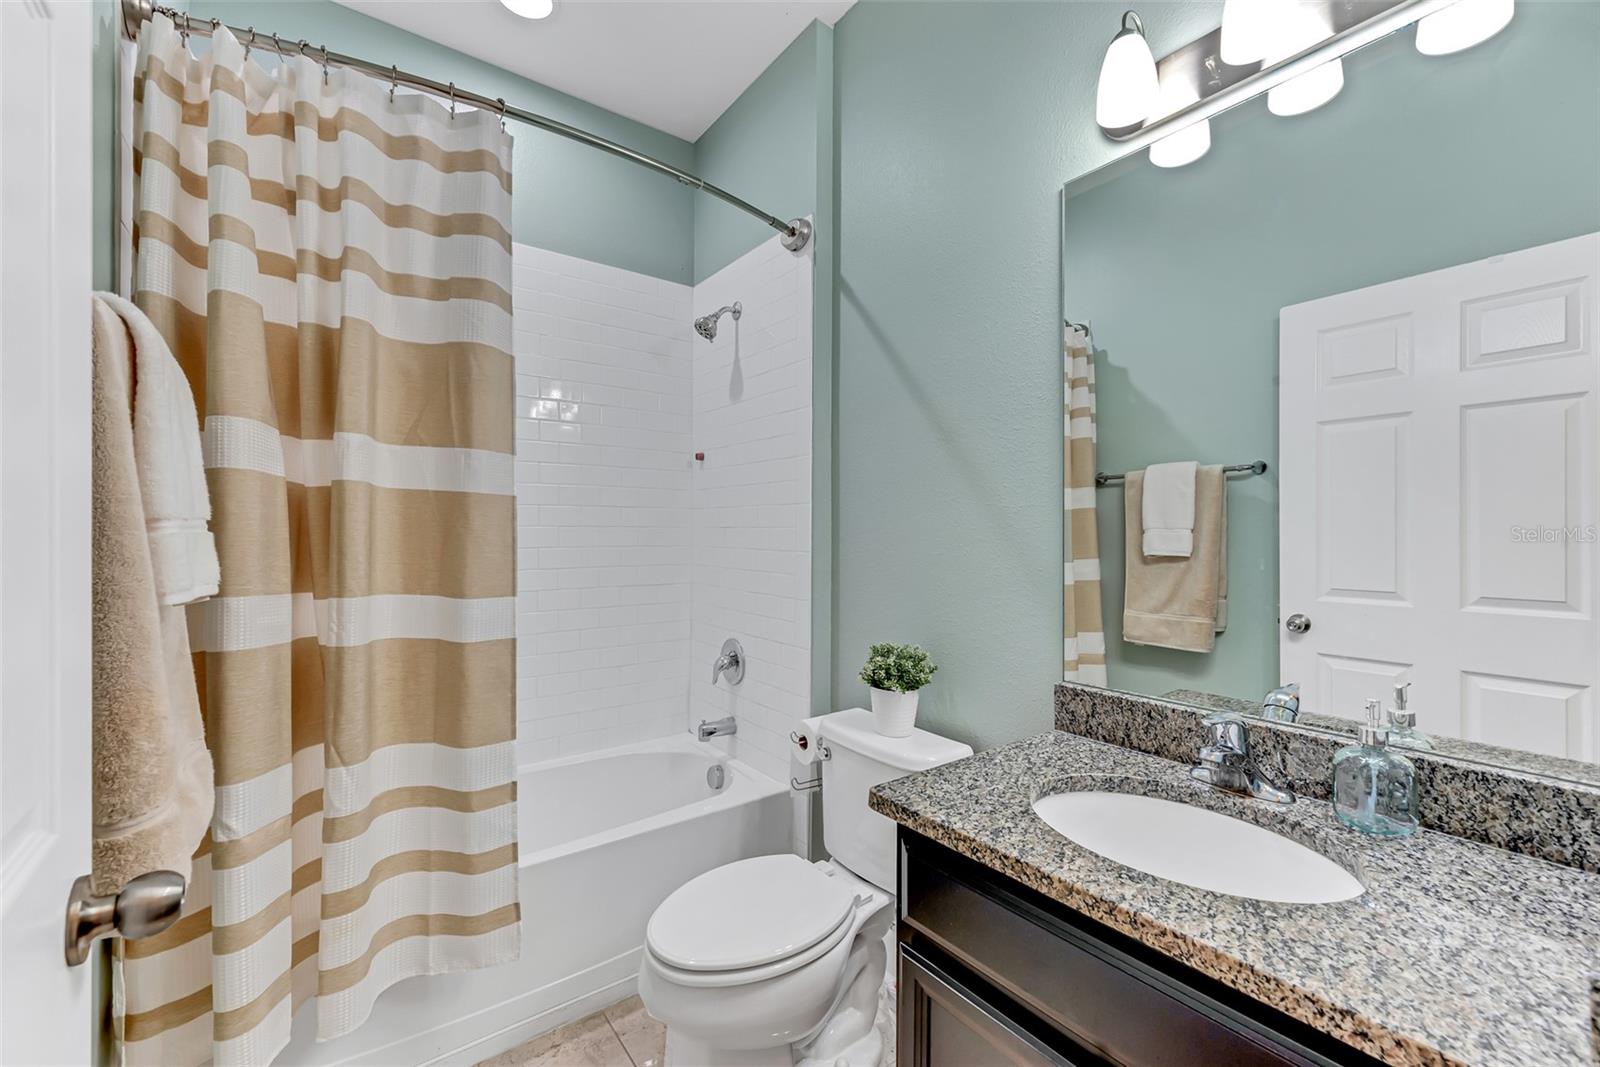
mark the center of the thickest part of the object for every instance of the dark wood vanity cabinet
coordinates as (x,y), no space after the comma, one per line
(992,972)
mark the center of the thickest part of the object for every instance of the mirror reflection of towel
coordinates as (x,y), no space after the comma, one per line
(1168,509)
(1179,603)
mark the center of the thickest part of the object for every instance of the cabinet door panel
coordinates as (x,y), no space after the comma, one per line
(944,1024)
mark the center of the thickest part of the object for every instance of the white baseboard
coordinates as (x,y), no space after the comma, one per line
(465,1039)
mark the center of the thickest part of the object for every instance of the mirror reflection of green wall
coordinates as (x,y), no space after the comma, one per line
(1420,163)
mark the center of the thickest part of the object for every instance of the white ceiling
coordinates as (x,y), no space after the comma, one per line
(672,64)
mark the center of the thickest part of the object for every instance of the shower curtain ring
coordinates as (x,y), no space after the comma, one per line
(183,34)
(502,102)
(324,64)
(277,46)
(250,43)
(452,101)
(394,80)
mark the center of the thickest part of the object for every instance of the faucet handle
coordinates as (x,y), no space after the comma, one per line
(1226,734)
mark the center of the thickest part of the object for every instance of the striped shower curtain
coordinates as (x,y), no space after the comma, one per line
(332,268)
(1083,656)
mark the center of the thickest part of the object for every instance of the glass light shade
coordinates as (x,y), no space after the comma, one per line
(1248,29)
(1299,27)
(530,9)
(1183,147)
(1128,87)
(1462,25)
(1307,92)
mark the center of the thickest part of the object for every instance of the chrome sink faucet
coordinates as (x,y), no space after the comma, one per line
(719,728)
(1225,762)
(1283,703)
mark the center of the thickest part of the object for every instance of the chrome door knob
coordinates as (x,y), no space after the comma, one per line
(1297,623)
(146,906)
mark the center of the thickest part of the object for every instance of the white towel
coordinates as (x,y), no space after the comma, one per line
(1168,517)
(172,475)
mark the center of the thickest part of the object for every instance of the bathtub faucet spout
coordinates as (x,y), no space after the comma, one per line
(720,728)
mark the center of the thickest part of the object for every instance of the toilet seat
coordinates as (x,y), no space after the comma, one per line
(750,920)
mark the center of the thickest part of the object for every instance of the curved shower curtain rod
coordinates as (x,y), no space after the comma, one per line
(795,233)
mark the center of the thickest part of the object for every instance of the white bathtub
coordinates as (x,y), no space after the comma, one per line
(604,838)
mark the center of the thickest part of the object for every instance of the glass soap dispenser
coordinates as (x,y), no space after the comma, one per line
(1403,732)
(1374,788)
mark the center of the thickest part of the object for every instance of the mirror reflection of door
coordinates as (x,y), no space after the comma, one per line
(1438,442)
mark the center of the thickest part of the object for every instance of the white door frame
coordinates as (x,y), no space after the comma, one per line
(46,1013)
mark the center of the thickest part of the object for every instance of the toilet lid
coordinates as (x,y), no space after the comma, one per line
(747,914)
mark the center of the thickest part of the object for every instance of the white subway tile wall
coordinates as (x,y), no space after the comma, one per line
(604,373)
(752,502)
(634,561)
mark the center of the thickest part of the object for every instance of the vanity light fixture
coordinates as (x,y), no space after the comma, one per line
(1184,147)
(1247,31)
(1462,25)
(1128,87)
(1307,92)
(1299,27)
(530,9)
(1300,42)
(1191,142)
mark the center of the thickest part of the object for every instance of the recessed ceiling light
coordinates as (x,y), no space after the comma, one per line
(530,9)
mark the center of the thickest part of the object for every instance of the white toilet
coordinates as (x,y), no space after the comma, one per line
(777,961)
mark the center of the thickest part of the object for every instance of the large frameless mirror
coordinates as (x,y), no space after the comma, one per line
(1390,302)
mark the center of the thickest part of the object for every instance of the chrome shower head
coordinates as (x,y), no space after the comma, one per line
(706,325)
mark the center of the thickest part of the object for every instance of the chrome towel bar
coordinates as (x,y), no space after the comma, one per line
(1257,467)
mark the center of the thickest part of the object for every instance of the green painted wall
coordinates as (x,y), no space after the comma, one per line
(764,149)
(107,26)
(957,124)
(569,198)
(1418,164)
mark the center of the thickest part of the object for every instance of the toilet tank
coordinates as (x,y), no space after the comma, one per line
(860,758)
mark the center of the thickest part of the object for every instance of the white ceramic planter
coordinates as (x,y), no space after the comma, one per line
(894,714)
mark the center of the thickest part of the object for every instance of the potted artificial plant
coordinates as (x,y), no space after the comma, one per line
(896,673)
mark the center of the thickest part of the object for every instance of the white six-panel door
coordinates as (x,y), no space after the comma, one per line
(45,1008)
(1440,458)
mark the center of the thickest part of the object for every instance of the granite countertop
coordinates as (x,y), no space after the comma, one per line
(1456,953)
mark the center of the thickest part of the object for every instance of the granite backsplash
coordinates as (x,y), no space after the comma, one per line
(1554,819)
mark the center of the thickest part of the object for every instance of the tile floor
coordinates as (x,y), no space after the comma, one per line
(619,1036)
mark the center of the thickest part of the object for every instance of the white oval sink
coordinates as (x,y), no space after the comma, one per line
(1197,847)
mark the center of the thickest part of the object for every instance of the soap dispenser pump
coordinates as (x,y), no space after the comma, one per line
(1375,788)
(1403,732)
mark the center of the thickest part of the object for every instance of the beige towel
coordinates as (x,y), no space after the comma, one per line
(152,773)
(171,465)
(1177,603)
